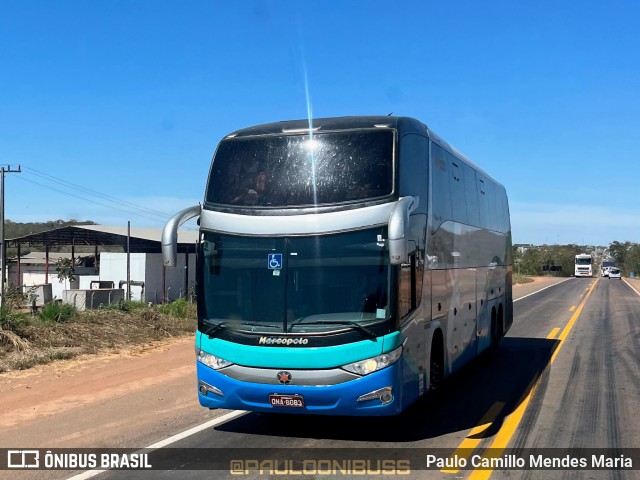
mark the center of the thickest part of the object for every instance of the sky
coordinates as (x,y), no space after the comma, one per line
(113,109)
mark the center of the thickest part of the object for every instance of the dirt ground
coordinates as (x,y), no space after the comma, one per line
(68,385)
(634,282)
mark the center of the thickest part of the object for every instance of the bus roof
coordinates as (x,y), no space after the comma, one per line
(332,123)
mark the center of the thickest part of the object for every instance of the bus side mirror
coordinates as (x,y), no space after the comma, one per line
(169,239)
(398,224)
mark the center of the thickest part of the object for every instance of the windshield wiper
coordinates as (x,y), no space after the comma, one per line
(213,328)
(370,334)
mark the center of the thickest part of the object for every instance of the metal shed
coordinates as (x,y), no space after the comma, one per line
(132,241)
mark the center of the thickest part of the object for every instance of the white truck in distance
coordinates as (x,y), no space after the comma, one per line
(584,265)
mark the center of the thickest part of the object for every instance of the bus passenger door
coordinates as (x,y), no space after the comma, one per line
(411,276)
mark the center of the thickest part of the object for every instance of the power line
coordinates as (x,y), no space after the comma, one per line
(94,193)
(131,212)
(141,213)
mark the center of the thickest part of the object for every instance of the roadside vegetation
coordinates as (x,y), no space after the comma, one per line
(626,256)
(554,260)
(59,331)
(559,260)
(519,278)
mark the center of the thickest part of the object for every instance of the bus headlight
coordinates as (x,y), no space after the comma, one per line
(373,364)
(211,360)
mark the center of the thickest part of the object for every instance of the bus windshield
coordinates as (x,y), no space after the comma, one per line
(302,170)
(583,261)
(314,284)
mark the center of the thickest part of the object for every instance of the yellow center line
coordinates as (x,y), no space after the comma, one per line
(553,333)
(475,435)
(572,321)
(504,435)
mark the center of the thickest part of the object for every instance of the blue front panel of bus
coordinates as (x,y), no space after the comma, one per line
(338,399)
(298,357)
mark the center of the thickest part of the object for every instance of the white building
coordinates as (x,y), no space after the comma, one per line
(146,275)
(150,281)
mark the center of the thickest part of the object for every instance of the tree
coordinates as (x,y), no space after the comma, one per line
(626,256)
(65,269)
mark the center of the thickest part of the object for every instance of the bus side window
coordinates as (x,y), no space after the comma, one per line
(410,285)
(483,202)
(471,195)
(456,184)
(440,195)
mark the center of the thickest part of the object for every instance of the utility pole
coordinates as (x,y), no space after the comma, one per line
(3,250)
(129,261)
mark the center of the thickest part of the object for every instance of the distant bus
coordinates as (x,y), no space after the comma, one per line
(345,267)
(606,266)
(584,265)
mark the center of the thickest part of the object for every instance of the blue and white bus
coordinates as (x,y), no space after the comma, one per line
(345,266)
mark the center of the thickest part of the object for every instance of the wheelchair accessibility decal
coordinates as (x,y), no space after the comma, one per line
(274,261)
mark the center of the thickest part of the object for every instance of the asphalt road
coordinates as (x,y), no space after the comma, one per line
(567,377)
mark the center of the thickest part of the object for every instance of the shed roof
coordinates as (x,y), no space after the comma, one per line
(141,240)
(40,258)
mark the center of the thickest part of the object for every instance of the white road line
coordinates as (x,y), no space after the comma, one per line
(168,441)
(538,291)
(631,286)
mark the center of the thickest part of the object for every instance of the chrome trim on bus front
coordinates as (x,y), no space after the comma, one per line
(270,376)
(206,388)
(296,224)
(385,395)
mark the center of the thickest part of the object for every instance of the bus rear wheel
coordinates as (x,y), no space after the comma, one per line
(496,333)
(436,365)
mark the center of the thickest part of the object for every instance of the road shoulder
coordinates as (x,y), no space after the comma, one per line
(522,289)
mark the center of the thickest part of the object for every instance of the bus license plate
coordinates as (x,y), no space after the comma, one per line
(291,401)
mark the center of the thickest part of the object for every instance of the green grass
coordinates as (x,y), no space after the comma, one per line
(13,320)
(57,312)
(126,306)
(59,331)
(518,278)
(179,308)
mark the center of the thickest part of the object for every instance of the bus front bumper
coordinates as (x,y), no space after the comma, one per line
(376,394)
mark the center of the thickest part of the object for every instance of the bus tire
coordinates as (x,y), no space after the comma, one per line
(436,363)
(496,333)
